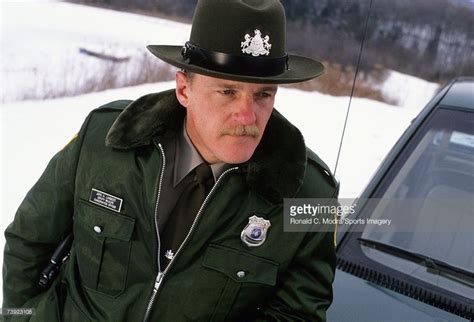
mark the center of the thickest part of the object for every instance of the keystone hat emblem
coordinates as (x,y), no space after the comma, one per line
(256,45)
(255,233)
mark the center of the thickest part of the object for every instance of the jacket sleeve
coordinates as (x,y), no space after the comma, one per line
(305,290)
(43,219)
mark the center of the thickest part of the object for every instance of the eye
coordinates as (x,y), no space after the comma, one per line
(228,92)
(263,95)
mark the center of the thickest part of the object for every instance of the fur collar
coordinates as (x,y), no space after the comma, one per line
(276,169)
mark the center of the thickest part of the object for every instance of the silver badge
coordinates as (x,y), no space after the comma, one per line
(256,45)
(255,233)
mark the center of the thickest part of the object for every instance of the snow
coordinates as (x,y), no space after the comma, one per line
(372,129)
(407,91)
(40,43)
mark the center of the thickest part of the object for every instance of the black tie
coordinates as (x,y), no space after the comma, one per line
(185,211)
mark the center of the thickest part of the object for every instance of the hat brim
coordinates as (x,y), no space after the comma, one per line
(300,68)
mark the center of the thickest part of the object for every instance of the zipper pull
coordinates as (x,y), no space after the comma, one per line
(158,280)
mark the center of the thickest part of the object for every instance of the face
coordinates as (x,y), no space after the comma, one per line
(225,119)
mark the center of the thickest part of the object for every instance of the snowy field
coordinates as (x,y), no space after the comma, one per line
(47,34)
(42,42)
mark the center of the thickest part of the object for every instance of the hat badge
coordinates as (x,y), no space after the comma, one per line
(255,233)
(256,45)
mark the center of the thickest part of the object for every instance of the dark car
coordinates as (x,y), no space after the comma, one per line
(421,266)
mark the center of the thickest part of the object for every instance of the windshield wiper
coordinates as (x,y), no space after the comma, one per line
(433,266)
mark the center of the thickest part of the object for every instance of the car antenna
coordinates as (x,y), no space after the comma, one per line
(353,85)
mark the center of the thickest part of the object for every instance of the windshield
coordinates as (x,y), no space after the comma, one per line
(436,169)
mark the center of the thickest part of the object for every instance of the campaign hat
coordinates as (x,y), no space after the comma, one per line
(242,40)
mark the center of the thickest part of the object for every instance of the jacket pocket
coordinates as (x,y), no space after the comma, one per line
(239,280)
(102,244)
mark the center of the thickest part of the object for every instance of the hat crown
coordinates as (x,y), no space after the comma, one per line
(225,26)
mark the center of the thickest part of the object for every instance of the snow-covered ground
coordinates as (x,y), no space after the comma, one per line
(407,91)
(42,38)
(41,42)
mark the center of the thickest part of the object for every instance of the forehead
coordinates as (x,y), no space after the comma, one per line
(211,82)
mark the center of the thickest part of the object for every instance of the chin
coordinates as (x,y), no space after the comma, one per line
(238,157)
(238,150)
(238,160)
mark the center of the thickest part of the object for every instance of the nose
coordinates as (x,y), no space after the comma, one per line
(245,110)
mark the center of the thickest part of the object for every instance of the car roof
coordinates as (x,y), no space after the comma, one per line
(460,94)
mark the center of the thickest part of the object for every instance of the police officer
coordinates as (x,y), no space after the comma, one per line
(175,200)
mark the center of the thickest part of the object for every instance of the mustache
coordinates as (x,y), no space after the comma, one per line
(241,130)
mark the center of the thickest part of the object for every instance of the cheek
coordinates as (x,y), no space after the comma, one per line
(207,125)
(263,116)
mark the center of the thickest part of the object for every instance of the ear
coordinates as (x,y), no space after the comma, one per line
(182,88)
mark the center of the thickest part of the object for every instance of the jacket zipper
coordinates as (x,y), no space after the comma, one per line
(161,275)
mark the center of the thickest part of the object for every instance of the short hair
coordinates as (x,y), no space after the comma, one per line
(189,75)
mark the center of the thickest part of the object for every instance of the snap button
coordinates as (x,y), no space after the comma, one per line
(240,274)
(98,229)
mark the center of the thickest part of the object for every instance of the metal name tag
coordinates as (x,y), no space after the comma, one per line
(106,200)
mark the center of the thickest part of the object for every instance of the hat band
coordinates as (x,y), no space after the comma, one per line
(233,64)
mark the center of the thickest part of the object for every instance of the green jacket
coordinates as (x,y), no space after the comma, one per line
(111,274)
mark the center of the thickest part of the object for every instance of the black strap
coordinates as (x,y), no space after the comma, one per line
(233,64)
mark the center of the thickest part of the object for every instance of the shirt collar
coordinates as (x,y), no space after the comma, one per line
(187,158)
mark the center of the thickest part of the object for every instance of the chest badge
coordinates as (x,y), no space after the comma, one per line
(255,233)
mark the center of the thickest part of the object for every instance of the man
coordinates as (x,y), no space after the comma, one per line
(175,200)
